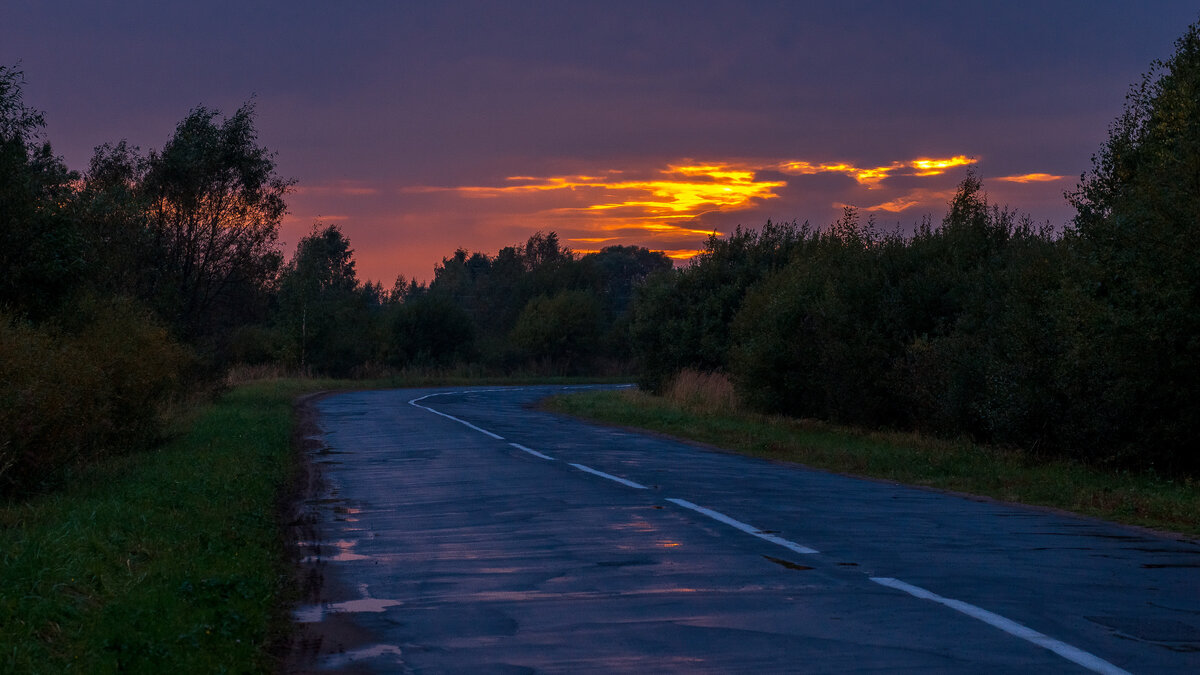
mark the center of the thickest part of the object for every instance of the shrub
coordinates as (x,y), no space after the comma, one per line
(97,385)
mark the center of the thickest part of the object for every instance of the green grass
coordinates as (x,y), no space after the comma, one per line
(1136,499)
(166,561)
(172,560)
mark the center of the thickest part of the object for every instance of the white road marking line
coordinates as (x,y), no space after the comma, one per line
(452,417)
(535,453)
(622,481)
(1074,654)
(748,529)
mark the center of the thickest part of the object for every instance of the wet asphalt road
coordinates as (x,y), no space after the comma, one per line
(502,539)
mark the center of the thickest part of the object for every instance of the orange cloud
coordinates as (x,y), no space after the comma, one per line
(684,191)
(674,206)
(920,197)
(1031,178)
(683,253)
(936,167)
(895,205)
(872,176)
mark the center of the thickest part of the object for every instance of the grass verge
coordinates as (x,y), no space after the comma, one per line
(1136,499)
(165,561)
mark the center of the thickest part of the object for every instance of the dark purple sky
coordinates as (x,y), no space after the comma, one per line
(643,122)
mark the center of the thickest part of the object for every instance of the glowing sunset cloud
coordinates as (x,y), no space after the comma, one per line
(611,203)
(674,206)
(872,176)
(936,167)
(867,176)
(686,192)
(895,205)
(1031,178)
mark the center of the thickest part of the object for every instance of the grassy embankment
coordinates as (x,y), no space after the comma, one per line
(164,561)
(705,410)
(171,560)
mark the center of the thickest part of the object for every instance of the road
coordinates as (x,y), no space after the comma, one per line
(464,531)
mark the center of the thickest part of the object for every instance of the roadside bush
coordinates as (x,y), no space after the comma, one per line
(72,393)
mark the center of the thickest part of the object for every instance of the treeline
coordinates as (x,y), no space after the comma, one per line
(1083,343)
(535,307)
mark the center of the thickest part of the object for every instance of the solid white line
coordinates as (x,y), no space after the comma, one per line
(1074,654)
(748,529)
(535,453)
(622,481)
(452,417)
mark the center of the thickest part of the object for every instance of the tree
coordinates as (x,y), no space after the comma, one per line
(214,207)
(430,330)
(681,319)
(562,329)
(41,252)
(324,309)
(1137,296)
(112,213)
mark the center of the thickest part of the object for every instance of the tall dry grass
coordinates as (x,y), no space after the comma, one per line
(702,392)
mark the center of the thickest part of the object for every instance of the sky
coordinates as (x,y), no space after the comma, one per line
(423,127)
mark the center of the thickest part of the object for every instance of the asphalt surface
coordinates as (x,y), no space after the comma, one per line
(464,531)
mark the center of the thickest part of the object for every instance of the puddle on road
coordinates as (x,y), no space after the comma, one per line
(345,552)
(344,659)
(787,563)
(365,604)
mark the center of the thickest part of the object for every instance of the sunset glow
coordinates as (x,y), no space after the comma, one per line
(1031,178)
(936,167)
(872,176)
(675,205)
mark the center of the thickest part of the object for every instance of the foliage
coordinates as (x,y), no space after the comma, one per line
(496,292)
(324,312)
(430,331)
(40,246)
(215,205)
(680,319)
(1136,287)
(94,388)
(563,329)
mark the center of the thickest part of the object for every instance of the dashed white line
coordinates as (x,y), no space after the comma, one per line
(535,453)
(452,417)
(1074,654)
(618,479)
(748,529)
(1066,651)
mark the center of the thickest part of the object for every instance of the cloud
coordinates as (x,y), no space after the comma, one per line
(872,176)
(1031,178)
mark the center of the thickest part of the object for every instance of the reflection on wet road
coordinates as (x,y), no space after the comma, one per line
(462,531)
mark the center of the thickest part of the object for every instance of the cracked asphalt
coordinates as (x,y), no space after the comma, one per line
(461,530)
